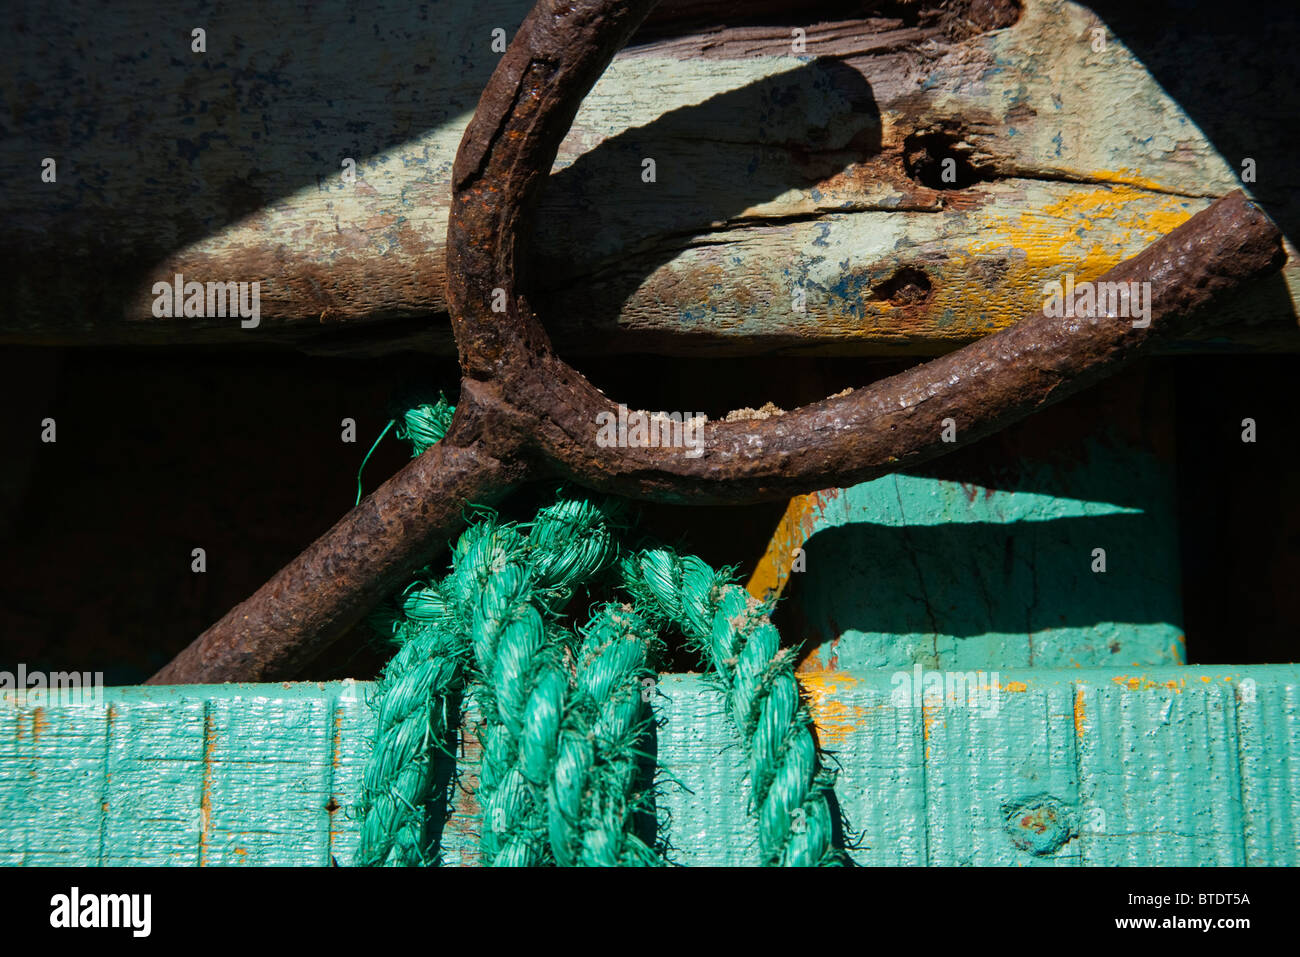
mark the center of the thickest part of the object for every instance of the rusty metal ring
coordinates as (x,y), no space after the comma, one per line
(509,365)
(524,413)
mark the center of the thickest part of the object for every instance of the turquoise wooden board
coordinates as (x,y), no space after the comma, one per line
(1169,765)
(1269,745)
(911,569)
(151,757)
(51,802)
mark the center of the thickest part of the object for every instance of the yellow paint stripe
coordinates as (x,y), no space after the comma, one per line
(835,720)
(796,525)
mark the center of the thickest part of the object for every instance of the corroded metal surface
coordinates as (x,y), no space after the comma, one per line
(507,359)
(523,411)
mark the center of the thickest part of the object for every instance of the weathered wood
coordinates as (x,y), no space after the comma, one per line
(960,576)
(992,563)
(775,172)
(1193,765)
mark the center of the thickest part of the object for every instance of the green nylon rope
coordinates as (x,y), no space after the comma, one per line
(736,637)
(564,712)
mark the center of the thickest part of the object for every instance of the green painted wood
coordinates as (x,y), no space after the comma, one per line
(1171,765)
(912,569)
(51,801)
(154,776)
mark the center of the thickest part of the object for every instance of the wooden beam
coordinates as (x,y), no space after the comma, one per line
(1191,765)
(798,202)
(988,559)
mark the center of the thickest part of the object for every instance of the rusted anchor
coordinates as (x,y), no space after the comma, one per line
(523,413)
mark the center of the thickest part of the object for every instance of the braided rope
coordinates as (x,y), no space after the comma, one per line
(593,793)
(509,639)
(742,648)
(425,425)
(532,696)
(413,701)
(490,608)
(493,608)
(563,713)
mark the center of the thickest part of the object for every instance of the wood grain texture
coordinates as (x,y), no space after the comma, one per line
(912,569)
(1187,765)
(774,172)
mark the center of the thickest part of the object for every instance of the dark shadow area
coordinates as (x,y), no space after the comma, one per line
(241,454)
(140,121)
(1239,508)
(843,838)
(157,454)
(646,822)
(446,779)
(1261,319)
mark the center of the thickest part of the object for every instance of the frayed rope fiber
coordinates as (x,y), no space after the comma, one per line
(565,711)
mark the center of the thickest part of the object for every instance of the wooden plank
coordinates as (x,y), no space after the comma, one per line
(988,561)
(709,783)
(264,761)
(1269,737)
(1173,743)
(1191,765)
(983,777)
(351,722)
(777,173)
(879,753)
(52,767)
(156,775)
(1001,578)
